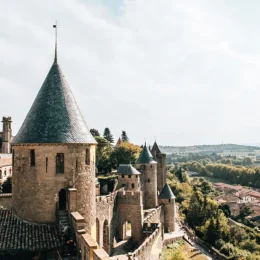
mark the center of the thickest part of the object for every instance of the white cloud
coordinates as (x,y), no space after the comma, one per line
(183,71)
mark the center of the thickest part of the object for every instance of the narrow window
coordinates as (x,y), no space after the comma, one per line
(60,163)
(13,158)
(129,176)
(32,156)
(151,166)
(169,200)
(87,159)
(136,176)
(123,176)
(76,163)
(133,185)
(148,180)
(46,164)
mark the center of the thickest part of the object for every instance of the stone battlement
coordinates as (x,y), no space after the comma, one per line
(144,250)
(130,197)
(7,118)
(154,216)
(108,198)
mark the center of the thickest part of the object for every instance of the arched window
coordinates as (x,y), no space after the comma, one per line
(60,163)
(87,159)
(133,185)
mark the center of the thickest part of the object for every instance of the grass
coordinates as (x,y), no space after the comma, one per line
(182,251)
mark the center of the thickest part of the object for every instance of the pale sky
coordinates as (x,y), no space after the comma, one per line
(185,71)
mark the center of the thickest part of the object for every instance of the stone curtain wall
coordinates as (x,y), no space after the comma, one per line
(144,251)
(156,216)
(106,208)
(6,200)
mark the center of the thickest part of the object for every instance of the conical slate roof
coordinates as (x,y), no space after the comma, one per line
(166,193)
(145,156)
(155,148)
(54,116)
(127,169)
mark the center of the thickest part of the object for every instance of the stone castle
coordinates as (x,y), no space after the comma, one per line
(54,185)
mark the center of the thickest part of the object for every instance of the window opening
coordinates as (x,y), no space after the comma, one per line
(32,155)
(60,163)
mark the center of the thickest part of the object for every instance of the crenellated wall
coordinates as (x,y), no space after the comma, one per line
(155,216)
(145,250)
(107,220)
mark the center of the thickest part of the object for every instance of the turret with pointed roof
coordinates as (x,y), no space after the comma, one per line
(54,150)
(54,116)
(145,156)
(148,168)
(160,158)
(167,199)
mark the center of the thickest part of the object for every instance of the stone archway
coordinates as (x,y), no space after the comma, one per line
(106,236)
(126,230)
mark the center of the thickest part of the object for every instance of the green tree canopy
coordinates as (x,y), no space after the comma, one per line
(94,132)
(107,135)
(124,137)
(104,151)
(125,153)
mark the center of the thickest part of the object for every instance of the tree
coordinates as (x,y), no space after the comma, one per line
(104,151)
(125,153)
(94,132)
(124,137)
(107,135)
(7,185)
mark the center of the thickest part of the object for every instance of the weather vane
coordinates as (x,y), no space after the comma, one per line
(56,28)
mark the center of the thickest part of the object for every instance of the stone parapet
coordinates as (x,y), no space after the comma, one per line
(143,252)
(154,216)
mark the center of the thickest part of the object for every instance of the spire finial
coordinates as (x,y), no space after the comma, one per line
(56,27)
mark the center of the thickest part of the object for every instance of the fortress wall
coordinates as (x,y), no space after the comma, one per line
(106,210)
(156,216)
(144,251)
(6,200)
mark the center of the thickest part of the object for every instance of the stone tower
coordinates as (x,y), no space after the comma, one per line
(148,168)
(167,199)
(130,202)
(128,177)
(53,151)
(7,134)
(161,165)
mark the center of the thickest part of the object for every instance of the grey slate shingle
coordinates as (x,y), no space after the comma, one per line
(54,116)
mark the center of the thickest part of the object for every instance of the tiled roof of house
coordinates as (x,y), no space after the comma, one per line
(127,169)
(16,234)
(54,116)
(145,156)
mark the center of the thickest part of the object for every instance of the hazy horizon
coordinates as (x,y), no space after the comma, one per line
(184,72)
